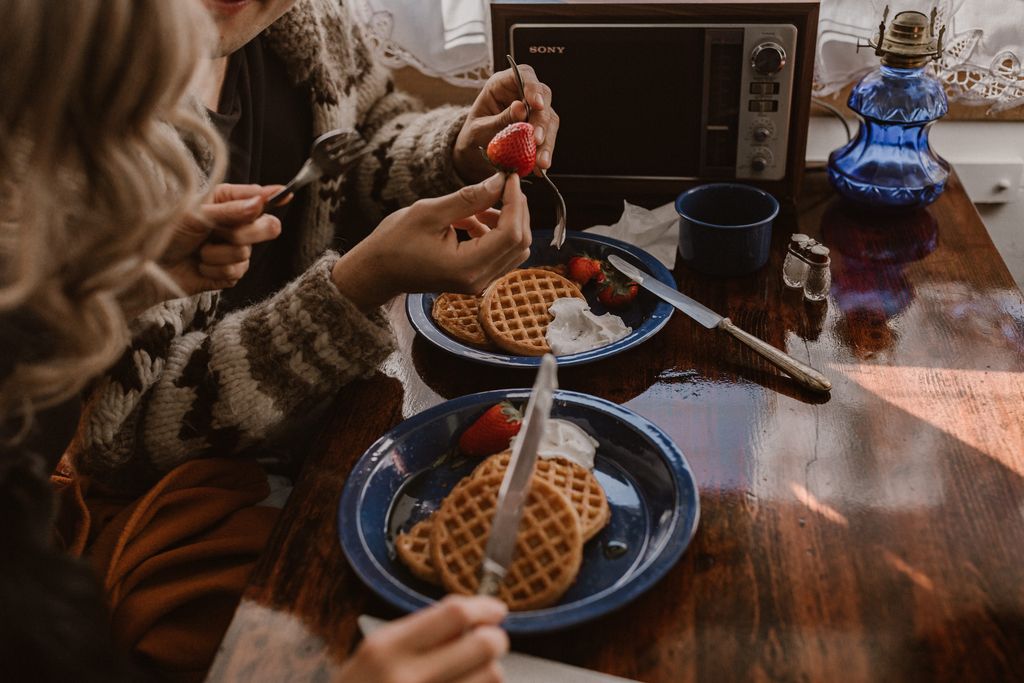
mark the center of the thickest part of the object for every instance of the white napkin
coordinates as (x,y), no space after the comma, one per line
(521,668)
(465,22)
(655,231)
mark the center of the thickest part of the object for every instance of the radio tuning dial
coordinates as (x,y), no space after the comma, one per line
(768,58)
(761,159)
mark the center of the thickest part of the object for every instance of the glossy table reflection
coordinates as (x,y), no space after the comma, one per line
(873,535)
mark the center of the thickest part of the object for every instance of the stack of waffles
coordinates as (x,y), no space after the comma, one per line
(511,315)
(565,508)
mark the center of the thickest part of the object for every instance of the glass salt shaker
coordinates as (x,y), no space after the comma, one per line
(794,268)
(819,276)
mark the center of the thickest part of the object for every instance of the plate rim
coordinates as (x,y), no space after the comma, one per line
(397,594)
(424,325)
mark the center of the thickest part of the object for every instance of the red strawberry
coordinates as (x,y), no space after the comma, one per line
(583,269)
(492,431)
(617,294)
(514,149)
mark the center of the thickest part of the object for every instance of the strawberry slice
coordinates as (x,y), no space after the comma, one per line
(492,431)
(514,149)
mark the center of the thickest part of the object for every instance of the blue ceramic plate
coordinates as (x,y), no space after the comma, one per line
(403,477)
(646,315)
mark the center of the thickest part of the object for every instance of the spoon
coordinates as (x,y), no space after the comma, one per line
(559,238)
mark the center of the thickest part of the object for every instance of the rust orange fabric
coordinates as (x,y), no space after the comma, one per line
(174,562)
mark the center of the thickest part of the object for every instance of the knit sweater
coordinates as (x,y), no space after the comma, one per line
(196,384)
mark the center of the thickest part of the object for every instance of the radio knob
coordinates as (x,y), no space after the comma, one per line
(768,58)
(762,133)
(761,160)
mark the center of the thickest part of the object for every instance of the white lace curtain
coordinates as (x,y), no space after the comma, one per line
(982,63)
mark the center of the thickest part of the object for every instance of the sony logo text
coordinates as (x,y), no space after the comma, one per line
(547,49)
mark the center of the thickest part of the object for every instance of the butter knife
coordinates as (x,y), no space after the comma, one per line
(501,544)
(802,373)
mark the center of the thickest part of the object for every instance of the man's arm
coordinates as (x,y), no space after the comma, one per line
(193,385)
(411,150)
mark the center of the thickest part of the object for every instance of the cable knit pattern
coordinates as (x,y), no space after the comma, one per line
(183,392)
(193,384)
(410,151)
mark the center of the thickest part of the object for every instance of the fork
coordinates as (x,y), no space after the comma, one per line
(331,153)
(559,238)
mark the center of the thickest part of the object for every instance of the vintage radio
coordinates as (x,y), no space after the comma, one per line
(657,96)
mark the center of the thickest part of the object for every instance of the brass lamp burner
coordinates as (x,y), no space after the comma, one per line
(909,42)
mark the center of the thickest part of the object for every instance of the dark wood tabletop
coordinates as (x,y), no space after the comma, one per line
(874,534)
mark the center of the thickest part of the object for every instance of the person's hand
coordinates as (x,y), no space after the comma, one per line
(497,106)
(211,249)
(416,249)
(455,641)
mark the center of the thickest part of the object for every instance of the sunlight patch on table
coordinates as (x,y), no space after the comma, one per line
(982,408)
(815,505)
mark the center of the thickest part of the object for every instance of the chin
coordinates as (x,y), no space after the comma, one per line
(239,21)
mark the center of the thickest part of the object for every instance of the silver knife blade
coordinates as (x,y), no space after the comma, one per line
(501,543)
(696,310)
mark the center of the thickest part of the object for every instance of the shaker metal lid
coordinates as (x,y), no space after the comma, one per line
(818,254)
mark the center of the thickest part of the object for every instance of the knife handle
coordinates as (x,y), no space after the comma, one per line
(489,582)
(802,373)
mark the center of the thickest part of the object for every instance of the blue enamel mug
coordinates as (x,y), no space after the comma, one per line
(725,228)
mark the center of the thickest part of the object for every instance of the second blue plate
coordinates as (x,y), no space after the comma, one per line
(647,315)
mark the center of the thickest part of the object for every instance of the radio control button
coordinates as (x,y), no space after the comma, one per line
(763,106)
(761,160)
(764,88)
(768,58)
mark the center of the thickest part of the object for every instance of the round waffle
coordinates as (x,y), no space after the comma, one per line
(459,316)
(413,548)
(559,268)
(576,482)
(549,546)
(514,309)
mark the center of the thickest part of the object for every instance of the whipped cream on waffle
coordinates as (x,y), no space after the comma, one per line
(564,439)
(576,329)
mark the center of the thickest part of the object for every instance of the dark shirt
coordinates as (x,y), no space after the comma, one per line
(24,339)
(267,122)
(54,625)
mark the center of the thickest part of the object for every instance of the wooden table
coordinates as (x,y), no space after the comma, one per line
(873,535)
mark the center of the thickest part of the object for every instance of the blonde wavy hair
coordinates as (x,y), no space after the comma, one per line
(94,174)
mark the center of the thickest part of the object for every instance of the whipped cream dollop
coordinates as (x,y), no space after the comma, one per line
(576,329)
(564,439)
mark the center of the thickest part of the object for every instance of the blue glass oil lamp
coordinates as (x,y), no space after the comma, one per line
(890,162)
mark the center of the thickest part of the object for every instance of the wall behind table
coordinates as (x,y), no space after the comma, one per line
(433,91)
